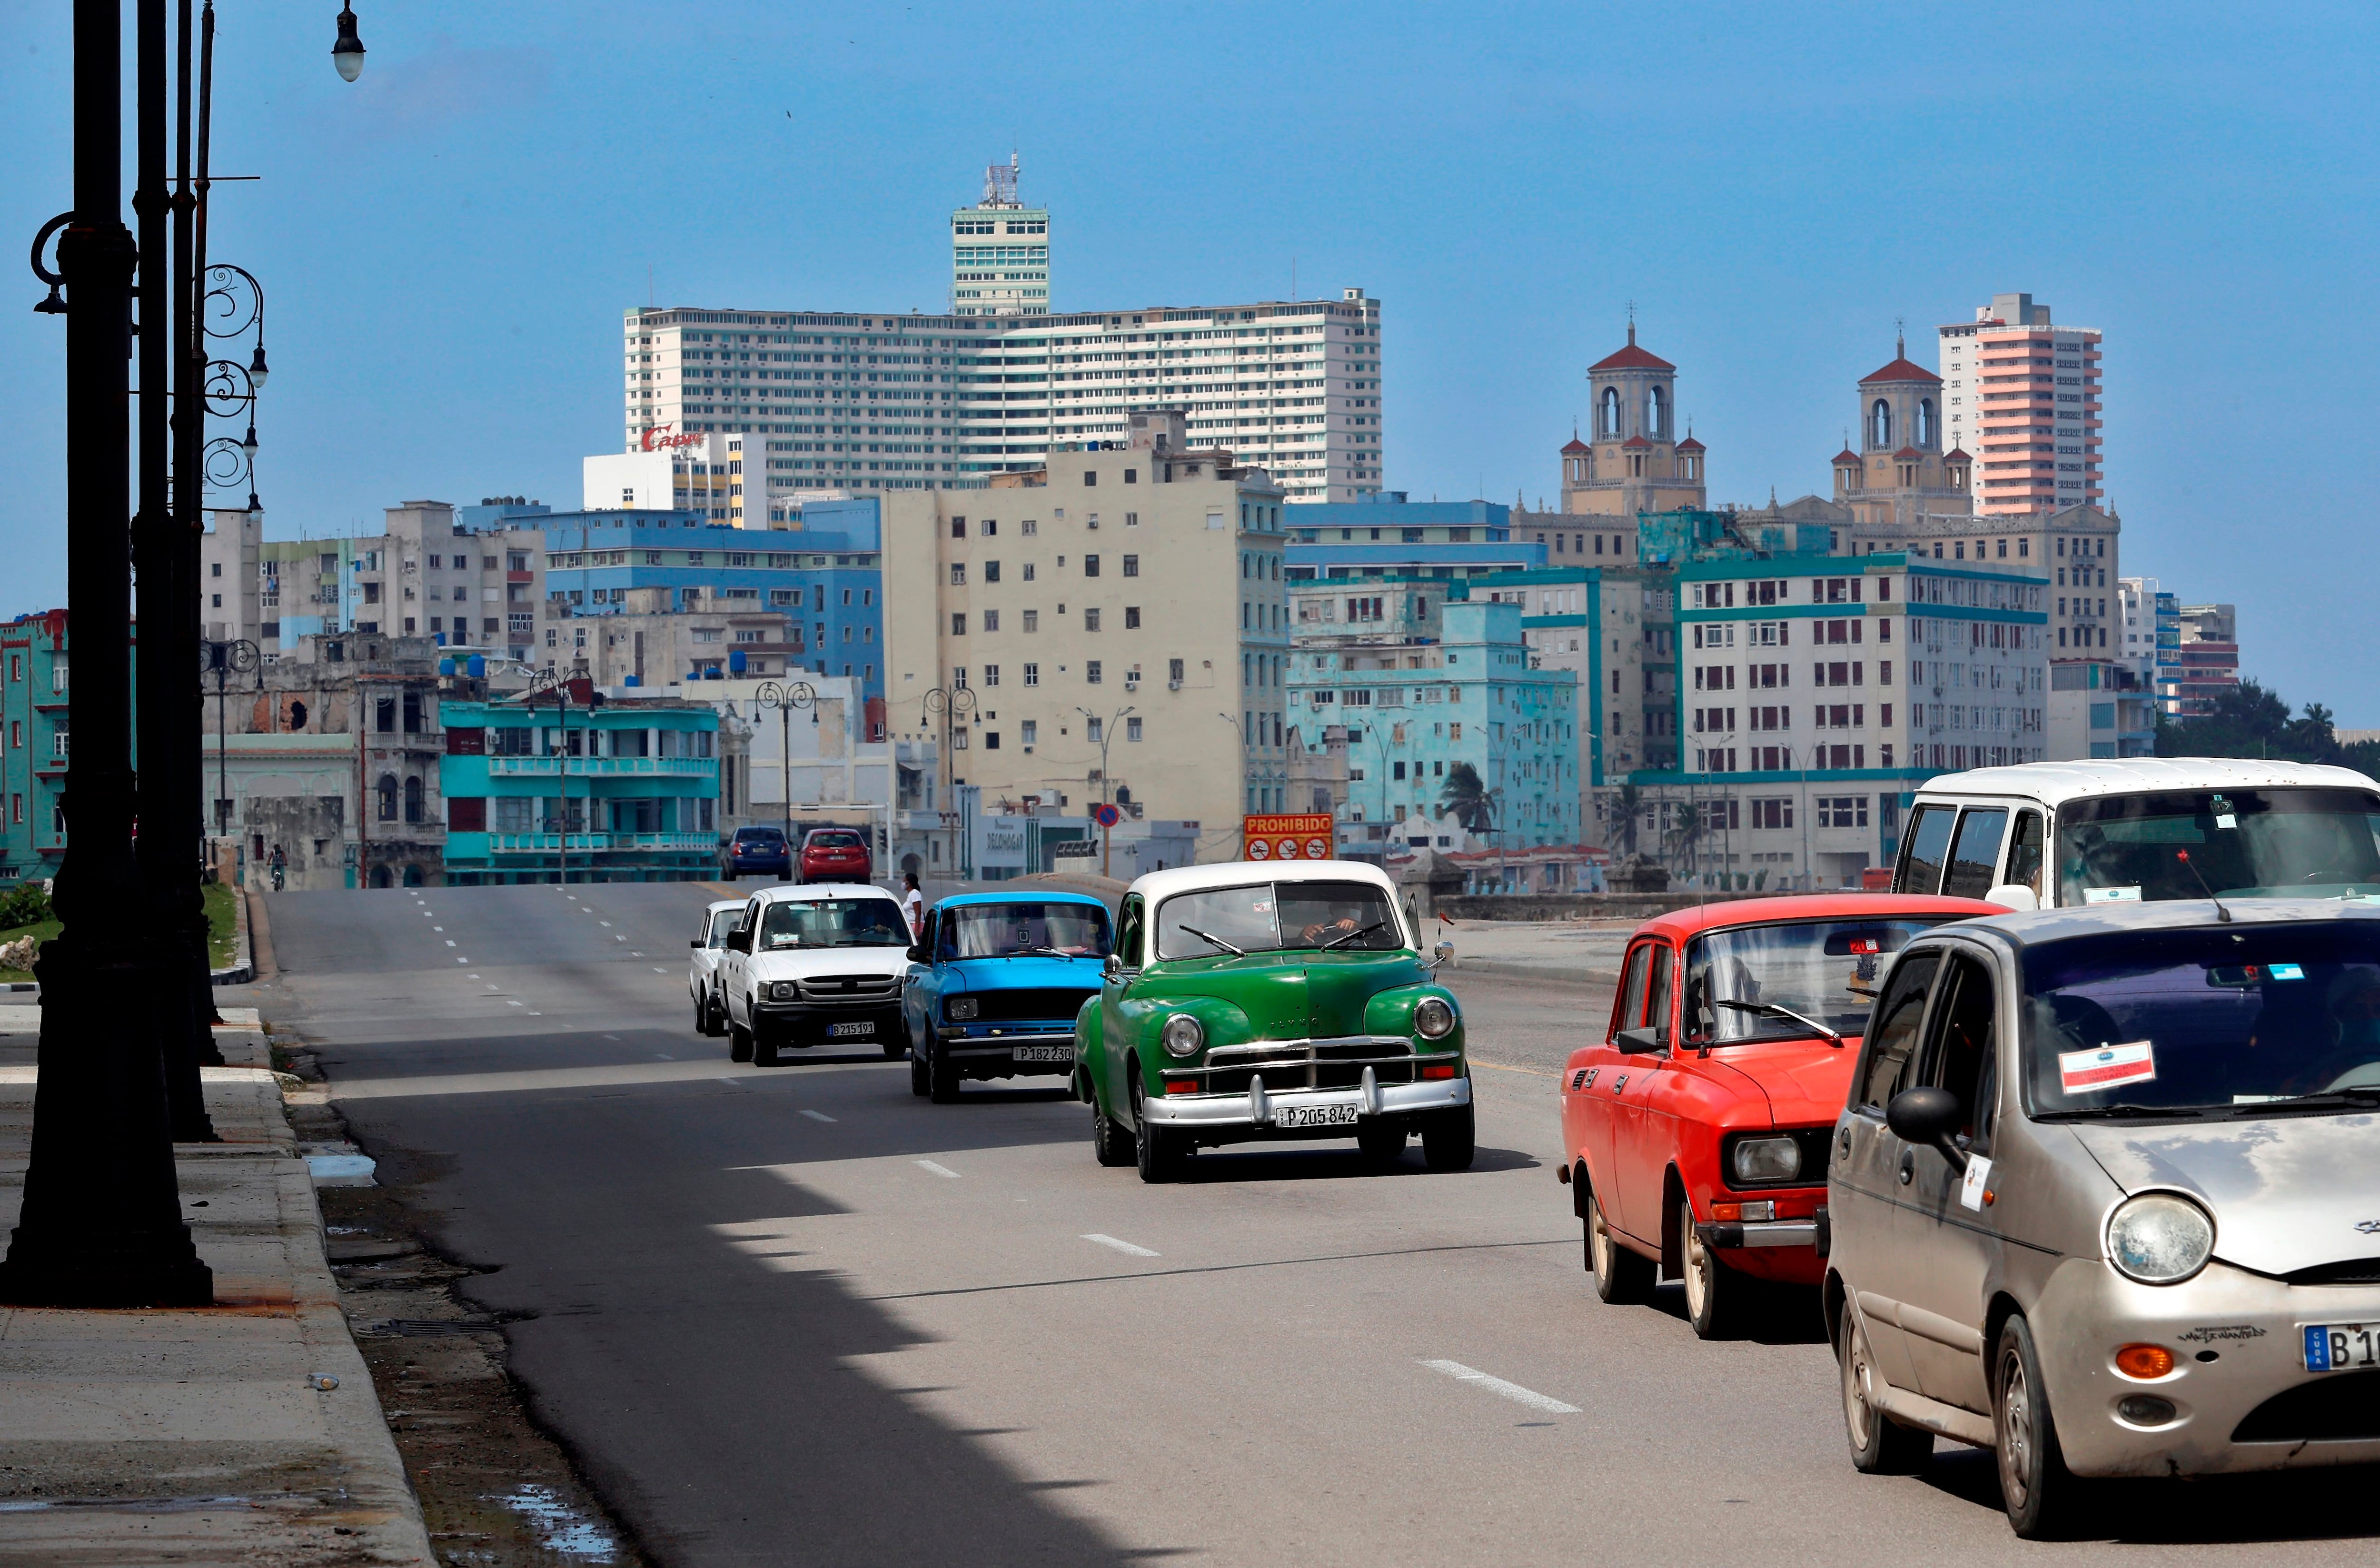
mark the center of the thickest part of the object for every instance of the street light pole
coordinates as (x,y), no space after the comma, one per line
(1107,738)
(785,696)
(950,701)
(101,1223)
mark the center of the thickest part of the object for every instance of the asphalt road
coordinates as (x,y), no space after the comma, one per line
(797,1315)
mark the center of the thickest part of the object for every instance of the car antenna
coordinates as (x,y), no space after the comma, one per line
(2220,913)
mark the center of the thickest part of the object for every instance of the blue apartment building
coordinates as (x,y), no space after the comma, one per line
(1388,536)
(625,792)
(1447,682)
(827,573)
(33,661)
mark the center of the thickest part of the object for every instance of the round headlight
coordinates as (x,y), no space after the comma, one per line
(1433,1018)
(1184,1034)
(1768,1160)
(2159,1239)
(959,1009)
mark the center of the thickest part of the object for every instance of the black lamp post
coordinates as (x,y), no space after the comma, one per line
(552,683)
(102,1225)
(223,660)
(952,703)
(785,696)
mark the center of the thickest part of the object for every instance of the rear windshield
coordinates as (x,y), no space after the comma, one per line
(835,841)
(1025,927)
(749,834)
(1741,984)
(2237,842)
(2219,1020)
(833,922)
(1268,918)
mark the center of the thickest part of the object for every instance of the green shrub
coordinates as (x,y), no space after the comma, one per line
(24,905)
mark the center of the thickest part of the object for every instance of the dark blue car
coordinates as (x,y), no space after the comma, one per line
(994,984)
(758,852)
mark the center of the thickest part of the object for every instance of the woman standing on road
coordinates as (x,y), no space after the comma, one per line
(913,904)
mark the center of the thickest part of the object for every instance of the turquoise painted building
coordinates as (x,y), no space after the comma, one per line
(1421,684)
(625,792)
(32,745)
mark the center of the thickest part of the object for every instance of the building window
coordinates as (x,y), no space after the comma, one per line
(1091,619)
(1132,729)
(958,622)
(1032,674)
(1033,620)
(1131,567)
(1132,617)
(1091,672)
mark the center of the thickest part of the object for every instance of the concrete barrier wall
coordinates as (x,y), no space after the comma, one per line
(1593,905)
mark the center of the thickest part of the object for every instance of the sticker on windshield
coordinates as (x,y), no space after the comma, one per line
(2086,1072)
(2111,895)
(2284,971)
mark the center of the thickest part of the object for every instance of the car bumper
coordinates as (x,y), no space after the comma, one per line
(1257,1113)
(2238,1344)
(1726,1236)
(976,1052)
(805,1023)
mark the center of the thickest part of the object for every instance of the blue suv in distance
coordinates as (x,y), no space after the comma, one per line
(994,984)
(758,852)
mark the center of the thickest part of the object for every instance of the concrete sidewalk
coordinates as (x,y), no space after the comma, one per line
(246,1433)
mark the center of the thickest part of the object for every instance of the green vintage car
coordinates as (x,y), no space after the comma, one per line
(1255,1001)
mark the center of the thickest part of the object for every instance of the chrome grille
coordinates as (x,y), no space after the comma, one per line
(1304,1063)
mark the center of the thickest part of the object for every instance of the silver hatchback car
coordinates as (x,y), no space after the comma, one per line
(2106,1197)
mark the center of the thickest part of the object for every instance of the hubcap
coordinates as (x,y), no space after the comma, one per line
(1857,1414)
(1598,1239)
(1698,1264)
(2016,1432)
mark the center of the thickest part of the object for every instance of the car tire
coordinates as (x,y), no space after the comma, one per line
(764,1045)
(1448,1139)
(1880,1446)
(1621,1277)
(739,1042)
(1719,1300)
(1156,1150)
(2043,1498)
(702,1015)
(895,1048)
(1109,1146)
(943,1079)
(1382,1141)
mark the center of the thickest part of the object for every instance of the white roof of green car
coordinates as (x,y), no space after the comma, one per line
(2056,783)
(1158,886)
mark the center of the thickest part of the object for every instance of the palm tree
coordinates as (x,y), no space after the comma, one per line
(1465,798)
(1627,807)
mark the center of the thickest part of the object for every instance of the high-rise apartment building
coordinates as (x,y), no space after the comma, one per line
(876,402)
(1000,251)
(1114,626)
(2210,657)
(2024,396)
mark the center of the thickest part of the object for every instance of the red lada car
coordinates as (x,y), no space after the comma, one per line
(1697,1132)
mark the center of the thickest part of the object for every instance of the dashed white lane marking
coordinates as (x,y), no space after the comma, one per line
(635,955)
(619,938)
(437,928)
(1124,1246)
(733,1083)
(816,1115)
(611,1036)
(1513,1392)
(450,941)
(516,1004)
(657,968)
(462,960)
(931,1169)
(604,923)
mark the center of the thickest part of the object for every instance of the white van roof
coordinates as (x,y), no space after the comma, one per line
(2056,783)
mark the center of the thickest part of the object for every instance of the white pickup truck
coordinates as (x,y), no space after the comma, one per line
(816,964)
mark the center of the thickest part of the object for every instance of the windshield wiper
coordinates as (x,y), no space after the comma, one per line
(1061,952)
(2124,1111)
(1775,1009)
(1219,942)
(1351,936)
(2364,1096)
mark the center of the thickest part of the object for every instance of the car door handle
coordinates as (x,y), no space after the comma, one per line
(1908,1166)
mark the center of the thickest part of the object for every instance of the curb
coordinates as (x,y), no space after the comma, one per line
(243,965)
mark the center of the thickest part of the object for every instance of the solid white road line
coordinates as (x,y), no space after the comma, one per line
(1513,1392)
(817,1115)
(1124,1246)
(928,1166)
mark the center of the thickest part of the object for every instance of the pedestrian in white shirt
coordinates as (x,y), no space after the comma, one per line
(913,903)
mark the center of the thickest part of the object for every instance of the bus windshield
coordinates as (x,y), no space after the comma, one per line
(2302,842)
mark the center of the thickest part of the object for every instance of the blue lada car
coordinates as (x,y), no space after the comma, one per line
(994,984)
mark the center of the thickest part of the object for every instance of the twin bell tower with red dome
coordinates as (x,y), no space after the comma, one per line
(1636,463)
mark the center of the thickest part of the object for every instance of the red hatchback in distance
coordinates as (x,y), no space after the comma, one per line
(833,855)
(1696,1132)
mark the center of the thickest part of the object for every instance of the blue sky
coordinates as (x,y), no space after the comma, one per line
(449,242)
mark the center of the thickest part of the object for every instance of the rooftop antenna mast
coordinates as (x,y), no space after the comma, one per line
(999,183)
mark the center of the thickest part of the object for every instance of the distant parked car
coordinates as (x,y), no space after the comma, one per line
(815,964)
(998,980)
(835,855)
(702,969)
(757,852)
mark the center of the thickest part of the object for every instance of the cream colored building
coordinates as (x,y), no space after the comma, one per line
(1118,624)
(1636,463)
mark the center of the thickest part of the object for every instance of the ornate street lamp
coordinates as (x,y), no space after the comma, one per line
(347,54)
(785,696)
(953,702)
(551,682)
